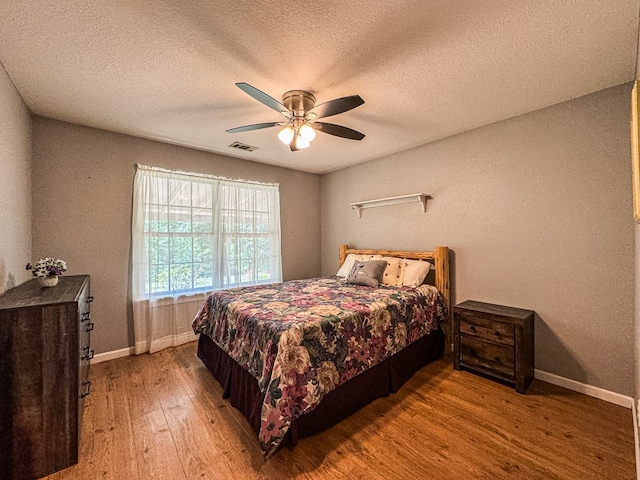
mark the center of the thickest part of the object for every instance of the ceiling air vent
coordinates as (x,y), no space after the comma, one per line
(243,146)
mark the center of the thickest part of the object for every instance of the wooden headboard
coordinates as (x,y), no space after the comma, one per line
(440,259)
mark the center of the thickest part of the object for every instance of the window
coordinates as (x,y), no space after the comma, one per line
(197,233)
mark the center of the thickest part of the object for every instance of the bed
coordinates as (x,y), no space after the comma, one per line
(297,357)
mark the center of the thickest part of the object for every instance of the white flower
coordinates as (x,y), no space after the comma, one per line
(48,267)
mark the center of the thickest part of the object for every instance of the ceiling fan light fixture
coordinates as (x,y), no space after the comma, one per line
(300,109)
(301,143)
(286,135)
(307,133)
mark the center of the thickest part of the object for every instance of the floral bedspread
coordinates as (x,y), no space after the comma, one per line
(300,339)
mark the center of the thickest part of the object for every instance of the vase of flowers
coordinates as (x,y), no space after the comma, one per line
(48,270)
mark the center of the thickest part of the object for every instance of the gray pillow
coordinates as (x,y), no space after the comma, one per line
(366,273)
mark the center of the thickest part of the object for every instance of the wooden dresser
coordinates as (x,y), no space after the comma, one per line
(494,340)
(44,365)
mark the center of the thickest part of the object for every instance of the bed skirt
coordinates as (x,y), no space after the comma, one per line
(241,388)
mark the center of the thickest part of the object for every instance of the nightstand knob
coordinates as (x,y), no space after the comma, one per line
(473,352)
(497,334)
(497,359)
(472,328)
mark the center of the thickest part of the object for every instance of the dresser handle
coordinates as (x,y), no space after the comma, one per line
(85,316)
(89,354)
(473,353)
(89,326)
(497,334)
(497,359)
(87,388)
(472,328)
(89,299)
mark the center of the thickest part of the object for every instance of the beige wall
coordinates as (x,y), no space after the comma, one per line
(83,181)
(537,210)
(15,185)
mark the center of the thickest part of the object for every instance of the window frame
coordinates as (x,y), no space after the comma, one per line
(215,231)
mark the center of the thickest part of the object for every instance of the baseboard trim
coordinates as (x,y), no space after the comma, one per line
(590,390)
(112,355)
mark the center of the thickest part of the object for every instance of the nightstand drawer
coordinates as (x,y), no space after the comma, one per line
(488,358)
(486,329)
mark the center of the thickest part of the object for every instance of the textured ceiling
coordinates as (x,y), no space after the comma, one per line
(165,69)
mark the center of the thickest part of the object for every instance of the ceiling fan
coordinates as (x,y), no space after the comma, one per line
(301,112)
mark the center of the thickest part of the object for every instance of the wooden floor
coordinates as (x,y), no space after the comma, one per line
(161,416)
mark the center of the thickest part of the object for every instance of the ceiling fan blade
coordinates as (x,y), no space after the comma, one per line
(264,98)
(338,130)
(334,107)
(255,126)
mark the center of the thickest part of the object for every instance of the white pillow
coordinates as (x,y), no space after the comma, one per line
(391,274)
(403,266)
(351,259)
(415,271)
(347,265)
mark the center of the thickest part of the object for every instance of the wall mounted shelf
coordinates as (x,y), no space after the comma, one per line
(380,202)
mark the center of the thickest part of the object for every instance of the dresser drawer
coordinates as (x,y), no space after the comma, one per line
(495,360)
(486,329)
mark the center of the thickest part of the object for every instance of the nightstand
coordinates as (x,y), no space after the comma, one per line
(494,340)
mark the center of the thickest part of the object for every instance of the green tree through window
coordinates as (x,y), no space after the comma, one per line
(203,233)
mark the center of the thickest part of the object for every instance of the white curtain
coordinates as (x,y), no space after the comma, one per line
(192,234)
